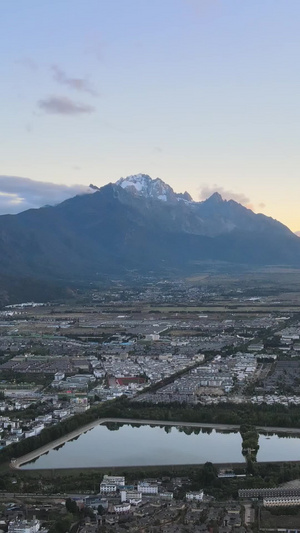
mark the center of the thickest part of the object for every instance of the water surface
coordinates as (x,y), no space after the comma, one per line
(147,445)
(144,445)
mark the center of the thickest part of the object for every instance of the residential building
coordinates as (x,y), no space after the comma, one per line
(195,495)
(23,526)
(147,488)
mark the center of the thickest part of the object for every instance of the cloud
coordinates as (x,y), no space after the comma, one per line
(206,191)
(78,84)
(61,105)
(297,233)
(18,194)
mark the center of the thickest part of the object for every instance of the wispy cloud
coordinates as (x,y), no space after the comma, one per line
(78,84)
(206,191)
(61,105)
(18,194)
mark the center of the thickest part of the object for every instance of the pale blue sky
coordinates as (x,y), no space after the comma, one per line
(201,93)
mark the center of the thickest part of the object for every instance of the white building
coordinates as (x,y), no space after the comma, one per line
(22,526)
(47,418)
(195,496)
(130,495)
(30,433)
(166,495)
(99,373)
(122,508)
(58,376)
(119,480)
(38,428)
(147,488)
(110,484)
(152,337)
(107,488)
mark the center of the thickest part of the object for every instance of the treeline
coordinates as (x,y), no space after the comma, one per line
(255,415)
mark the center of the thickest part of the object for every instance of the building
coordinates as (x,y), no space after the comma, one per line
(195,496)
(166,495)
(283,501)
(58,376)
(152,337)
(122,508)
(110,484)
(94,501)
(269,492)
(147,488)
(108,488)
(22,526)
(130,495)
(119,480)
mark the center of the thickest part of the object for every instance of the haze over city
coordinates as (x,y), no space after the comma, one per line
(203,94)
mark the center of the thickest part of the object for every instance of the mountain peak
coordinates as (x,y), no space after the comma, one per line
(140,226)
(144,185)
(215,198)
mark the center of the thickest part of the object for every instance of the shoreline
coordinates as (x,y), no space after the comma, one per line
(18,462)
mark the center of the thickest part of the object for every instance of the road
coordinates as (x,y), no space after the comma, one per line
(249,514)
(15,496)
(16,463)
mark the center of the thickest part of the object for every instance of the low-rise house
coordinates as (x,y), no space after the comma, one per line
(166,495)
(23,526)
(195,496)
(122,508)
(58,376)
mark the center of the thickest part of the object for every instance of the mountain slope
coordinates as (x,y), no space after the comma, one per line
(139,224)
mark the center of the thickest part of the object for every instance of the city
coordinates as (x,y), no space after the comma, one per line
(175,343)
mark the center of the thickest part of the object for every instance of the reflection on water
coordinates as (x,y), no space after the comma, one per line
(143,445)
(138,444)
(280,447)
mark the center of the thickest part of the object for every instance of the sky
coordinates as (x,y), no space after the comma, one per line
(203,94)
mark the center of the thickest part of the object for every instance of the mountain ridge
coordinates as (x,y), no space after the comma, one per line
(146,228)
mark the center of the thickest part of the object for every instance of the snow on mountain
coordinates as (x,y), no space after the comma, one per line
(143,185)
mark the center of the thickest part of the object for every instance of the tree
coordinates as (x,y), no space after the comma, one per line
(209,474)
(101,510)
(62,525)
(71,506)
(88,512)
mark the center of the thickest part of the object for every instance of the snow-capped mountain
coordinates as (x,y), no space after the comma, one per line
(162,207)
(143,185)
(140,225)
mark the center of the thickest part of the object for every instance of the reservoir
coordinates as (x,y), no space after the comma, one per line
(128,445)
